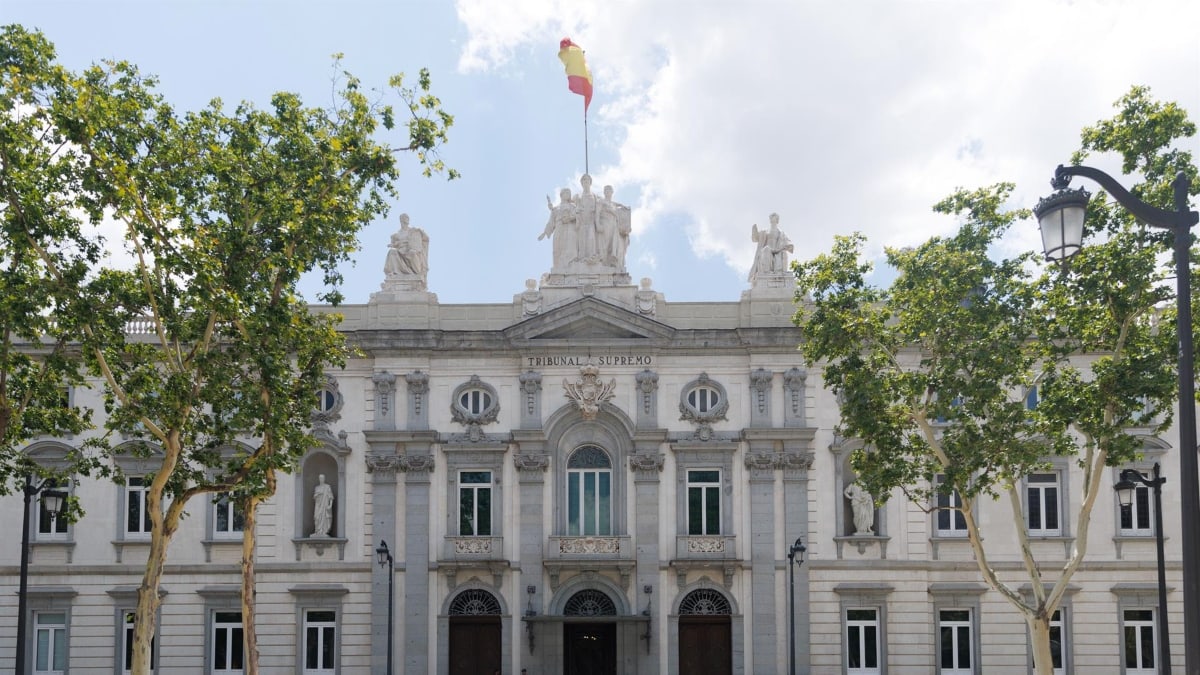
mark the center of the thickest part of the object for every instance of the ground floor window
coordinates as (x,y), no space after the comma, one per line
(127,621)
(320,641)
(862,641)
(1139,641)
(50,642)
(227,654)
(956,642)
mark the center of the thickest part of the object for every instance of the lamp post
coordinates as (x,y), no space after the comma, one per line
(387,562)
(795,559)
(1060,217)
(1130,479)
(53,501)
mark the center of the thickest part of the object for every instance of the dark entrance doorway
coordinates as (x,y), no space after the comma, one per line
(590,648)
(705,634)
(475,634)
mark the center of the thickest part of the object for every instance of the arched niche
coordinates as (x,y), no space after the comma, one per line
(328,462)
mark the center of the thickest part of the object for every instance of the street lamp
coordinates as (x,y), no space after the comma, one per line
(53,501)
(795,558)
(1057,216)
(1130,479)
(387,562)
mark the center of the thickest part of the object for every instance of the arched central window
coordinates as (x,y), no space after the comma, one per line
(589,492)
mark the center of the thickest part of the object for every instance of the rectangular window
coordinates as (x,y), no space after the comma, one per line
(862,641)
(704,502)
(1057,642)
(589,493)
(50,526)
(1042,504)
(50,642)
(949,518)
(475,503)
(1136,520)
(137,516)
(1139,641)
(127,621)
(227,657)
(320,640)
(957,648)
(229,519)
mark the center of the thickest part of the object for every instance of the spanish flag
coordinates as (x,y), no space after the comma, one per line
(579,78)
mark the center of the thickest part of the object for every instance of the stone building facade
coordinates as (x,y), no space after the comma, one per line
(589,479)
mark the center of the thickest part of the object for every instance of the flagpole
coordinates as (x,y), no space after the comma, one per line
(585,140)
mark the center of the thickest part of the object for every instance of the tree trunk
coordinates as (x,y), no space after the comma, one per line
(249,633)
(1039,631)
(146,614)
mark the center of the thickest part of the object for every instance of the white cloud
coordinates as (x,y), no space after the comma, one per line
(844,117)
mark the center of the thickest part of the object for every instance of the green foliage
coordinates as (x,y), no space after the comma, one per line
(205,346)
(932,372)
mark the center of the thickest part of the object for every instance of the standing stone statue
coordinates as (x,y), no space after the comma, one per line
(322,508)
(408,252)
(864,508)
(613,226)
(773,248)
(588,207)
(563,226)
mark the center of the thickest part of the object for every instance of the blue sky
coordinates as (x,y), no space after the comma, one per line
(707,117)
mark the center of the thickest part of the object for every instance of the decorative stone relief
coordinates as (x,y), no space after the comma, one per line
(418,388)
(702,402)
(647,382)
(646,465)
(706,544)
(793,394)
(473,545)
(535,462)
(589,545)
(473,405)
(384,466)
(588,392)
(416,463)
(531,299)
(647,299)
(329,404)
(385,389)
(760,388)
(531,387)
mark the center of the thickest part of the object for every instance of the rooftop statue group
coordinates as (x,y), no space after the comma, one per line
(586,229)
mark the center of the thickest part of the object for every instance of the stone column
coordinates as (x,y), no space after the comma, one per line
(532,462)
(417,464)
(646,464)
(764,580)
(382,464)
(794,412)
(796,463)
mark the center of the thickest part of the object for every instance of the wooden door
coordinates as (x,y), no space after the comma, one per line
(474,645)
(705,645)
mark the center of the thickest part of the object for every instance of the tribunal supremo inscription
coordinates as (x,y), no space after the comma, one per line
(544,361)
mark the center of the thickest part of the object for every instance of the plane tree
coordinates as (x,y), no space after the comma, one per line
(934,372)
(208,354)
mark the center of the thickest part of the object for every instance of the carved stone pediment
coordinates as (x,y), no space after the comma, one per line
(590,318)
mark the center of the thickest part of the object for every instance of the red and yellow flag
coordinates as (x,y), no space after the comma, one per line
(579,78)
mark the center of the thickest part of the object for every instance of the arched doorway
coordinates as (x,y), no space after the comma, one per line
(705,635)
(475,633)
(589,638)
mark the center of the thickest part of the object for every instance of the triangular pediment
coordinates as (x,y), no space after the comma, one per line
(589,319)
